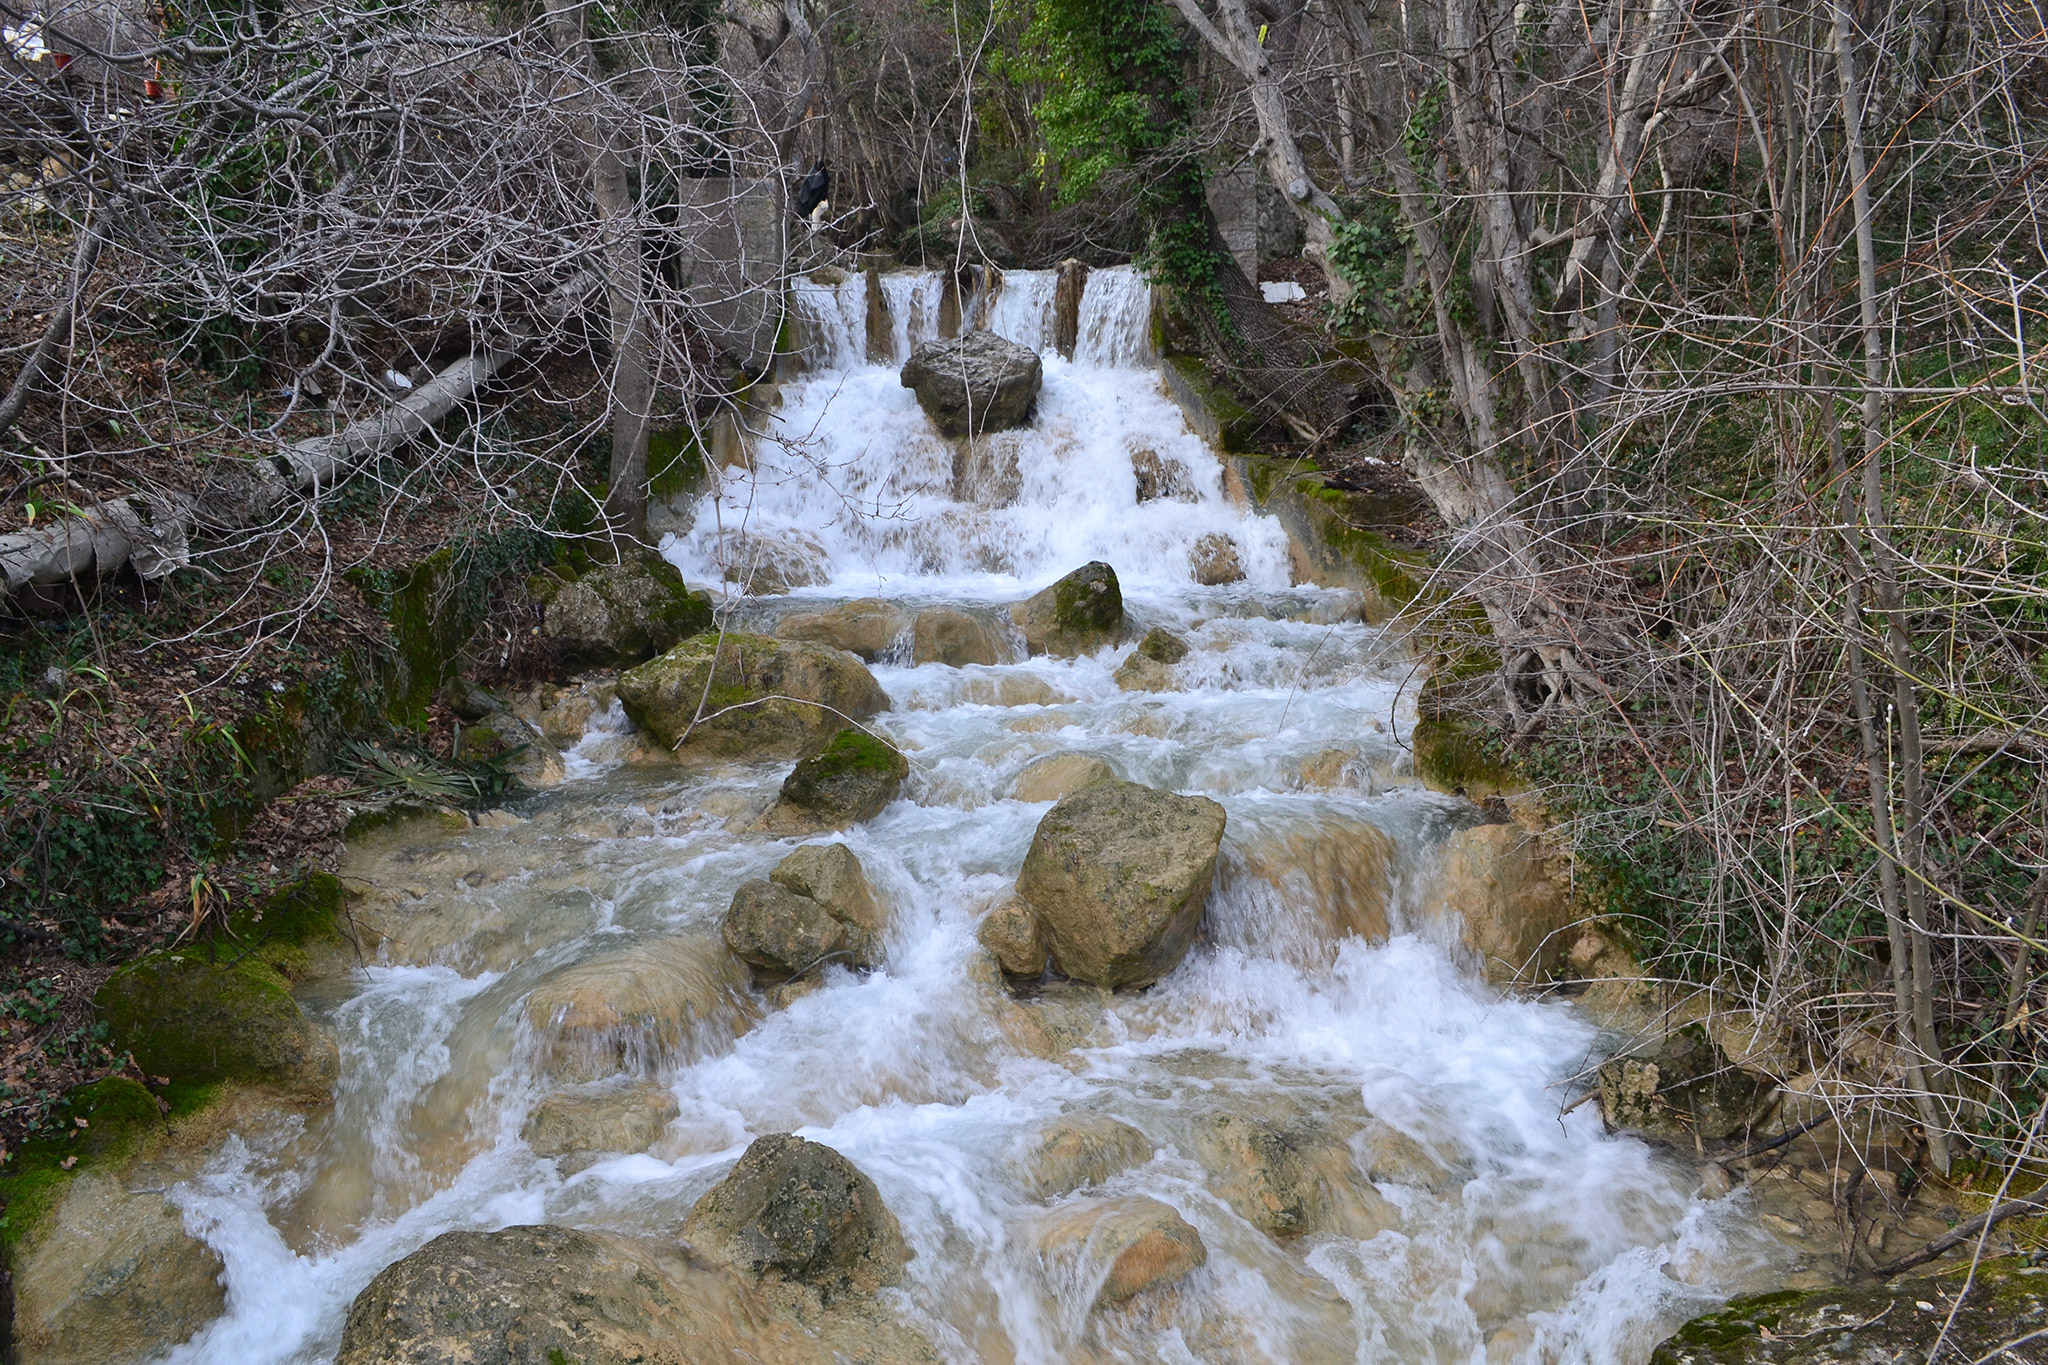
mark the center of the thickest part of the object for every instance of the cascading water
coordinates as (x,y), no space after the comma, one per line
(1489,1220)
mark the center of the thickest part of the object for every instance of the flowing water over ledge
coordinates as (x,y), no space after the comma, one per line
(1460,1209)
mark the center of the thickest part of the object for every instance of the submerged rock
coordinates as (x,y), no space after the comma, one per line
(1079,614)
(1289,1181)
(1056,775)
(657,1001)
(576,1126)
(198,1021)
(763,698)
(975,383)
(768,565)
(797,1211)
(108,1276)
(816,904)
(1011,934)
(1150,667)
(1214,561)
(1076,1150)
(1120,1247)
(941,635)
(850,780)
(622,614)
(548,1295)
(1677,1085)
(868,627)
(1157,477)
(1116,875)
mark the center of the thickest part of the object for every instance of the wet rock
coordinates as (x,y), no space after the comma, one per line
(1076,1150)
(1677,1085)
(1056,775)
(987,471)
(1496,879)
(110,1276)
(1150,667)
(547,1295)
(576,1126)
(797,1211)
(850,780)
(1160,478)
(230,1018)
(635,1008)
(522,749)
(1120,1247)
(768,565)
(1999,1321)
(1079,614)
(868,627)
(944,636)
(1214,561)
(1010,932)
(816,905)
(1117,874)
(622,614)
(1289,1181)
(772,698)
(975,383)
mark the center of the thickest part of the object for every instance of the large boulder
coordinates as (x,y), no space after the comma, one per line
(941,635)
(549,1295)
(622,614)
(975,383)
(110,1276)
(1119,1248)
(796,1211)
(868,627)
(850,780)
(762,698)
(576,1126)
(636,1008)
(1116,875)
(1079,614)
(201,1015)
(816,905)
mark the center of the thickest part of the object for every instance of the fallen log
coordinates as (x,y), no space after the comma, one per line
(152,532)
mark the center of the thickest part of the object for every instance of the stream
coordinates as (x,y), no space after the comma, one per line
(1477,1217)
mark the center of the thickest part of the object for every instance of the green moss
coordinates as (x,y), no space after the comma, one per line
(195,1020)
(1449,757)
(309,909)
(853,751)
(1088,599)
(1211,410)
(97,1124)
(675,463)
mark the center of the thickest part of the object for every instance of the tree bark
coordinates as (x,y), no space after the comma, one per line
(57,333)
(632,381)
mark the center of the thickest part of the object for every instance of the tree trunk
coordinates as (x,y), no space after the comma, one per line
(632,381)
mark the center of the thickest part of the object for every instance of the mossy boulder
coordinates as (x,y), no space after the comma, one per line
(1117,875)
(797,1211)
(850,780)
(201,1015)
(622,614)
(762,698)
(1077,615)
(2005,1318)
(1450,757)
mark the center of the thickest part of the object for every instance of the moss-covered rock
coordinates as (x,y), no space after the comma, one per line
(622,614)
(1150,667)
(797,1211)
(850,780)
(198,1018)
(762,698)
(1079,614)
(1450,758)
(2004,1318)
